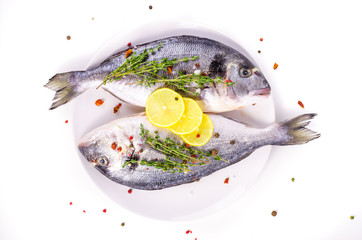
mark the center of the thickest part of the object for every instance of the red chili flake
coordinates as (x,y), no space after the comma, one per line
(131,138)
(188,231)
(226,180)
(114,146)
(84,211)
(116,108)
(99,102)
(301,104)
(104,210)
(138,152)
(119,149)
(130,190)
(193,177)
(70,203)
(66,121)
(129,154)
(193,156)
(275,66)
(198,135)
(203,74)
(187,145)
(147,169)
(128,53)
(197,65)
(261,39)
(129,44)
(169,70)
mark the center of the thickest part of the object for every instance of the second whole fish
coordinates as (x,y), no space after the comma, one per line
(214,59)
(233,141)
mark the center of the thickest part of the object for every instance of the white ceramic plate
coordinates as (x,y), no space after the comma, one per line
(187,201)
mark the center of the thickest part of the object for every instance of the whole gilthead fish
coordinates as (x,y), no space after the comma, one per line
(232,140)
(214,58)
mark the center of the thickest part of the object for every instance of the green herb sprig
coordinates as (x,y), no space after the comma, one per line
(187,156)
(149,73)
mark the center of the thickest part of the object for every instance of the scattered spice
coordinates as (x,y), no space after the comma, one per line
(99,102)
(68,37)
(92,18)
(104,210)
(226,180)
(232,142)
(116,108)
(253,104)
(187,145)
(84,211)
(203,74)
(351,217)
(275,66)
(128,53)
(169,70)
(197,65)
(70,203)
(214,152)
(301,104)
(188,231)
(198,180)
(114,146)
(259,51)
(119,149)
(129,44)
(131,138)
(130,190)
(217,135)
(198,135)
(274,213)
(150,7)
(261,39)
(122,224)
(66,121)
(293,179)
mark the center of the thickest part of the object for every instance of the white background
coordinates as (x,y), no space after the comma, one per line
(317,45)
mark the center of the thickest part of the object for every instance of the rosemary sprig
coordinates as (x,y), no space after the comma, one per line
(149,73)
(187,156)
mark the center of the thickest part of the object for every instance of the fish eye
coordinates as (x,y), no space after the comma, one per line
(245,72)
(103,161)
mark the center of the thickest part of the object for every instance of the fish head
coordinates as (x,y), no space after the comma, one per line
(248,84)
(106,148)
(248,80)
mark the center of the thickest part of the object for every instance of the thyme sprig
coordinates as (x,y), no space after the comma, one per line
(149,73)
(186,156)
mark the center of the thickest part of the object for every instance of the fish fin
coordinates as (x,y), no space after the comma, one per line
(296,130)
(64,89)
(114,95)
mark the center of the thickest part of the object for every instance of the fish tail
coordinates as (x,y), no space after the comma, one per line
(64,87)
(296,132)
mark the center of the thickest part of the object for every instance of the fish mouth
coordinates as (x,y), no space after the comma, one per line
(261,92)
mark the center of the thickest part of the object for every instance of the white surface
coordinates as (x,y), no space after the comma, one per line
(317,46)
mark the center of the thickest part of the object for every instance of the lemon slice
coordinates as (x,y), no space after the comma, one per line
(202,134)
(190,120)
(164,107)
